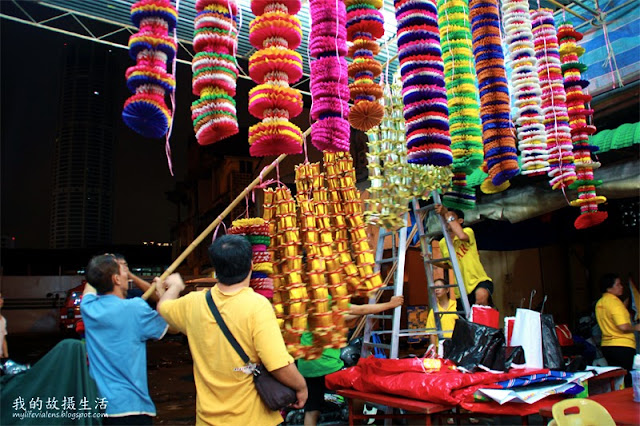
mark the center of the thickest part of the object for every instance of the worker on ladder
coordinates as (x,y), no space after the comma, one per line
(476,281)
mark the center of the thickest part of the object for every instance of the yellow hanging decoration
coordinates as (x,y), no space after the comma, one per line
(341,178)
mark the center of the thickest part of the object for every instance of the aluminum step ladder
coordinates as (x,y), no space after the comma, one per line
(399,245)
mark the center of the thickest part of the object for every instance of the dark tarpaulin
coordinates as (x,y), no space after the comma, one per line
(57,390)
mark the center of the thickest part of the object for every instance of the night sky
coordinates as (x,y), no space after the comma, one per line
(30,78)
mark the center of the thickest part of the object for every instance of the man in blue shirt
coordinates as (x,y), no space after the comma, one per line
(116,333)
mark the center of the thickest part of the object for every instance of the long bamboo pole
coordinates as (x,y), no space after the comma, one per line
(217,220)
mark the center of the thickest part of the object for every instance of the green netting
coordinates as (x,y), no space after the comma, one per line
(623,137)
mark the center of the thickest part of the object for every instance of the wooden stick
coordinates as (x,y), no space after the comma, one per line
(213,224)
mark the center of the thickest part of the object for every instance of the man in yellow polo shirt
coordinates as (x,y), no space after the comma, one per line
(618,339)
(476,281)
(225,393)
(445,304)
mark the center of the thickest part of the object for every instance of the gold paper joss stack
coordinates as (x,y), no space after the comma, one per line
(321,258)
(320,321)
(341,177)
(339,225)
(290,253)
(394,181)
(279,296)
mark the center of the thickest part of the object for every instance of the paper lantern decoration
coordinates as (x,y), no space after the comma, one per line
(532,138)
(330,129)
(424,95)
(579,118)
(214,71)
(497,129)
(275,33)
(146,111)
(365,24)
(554,107)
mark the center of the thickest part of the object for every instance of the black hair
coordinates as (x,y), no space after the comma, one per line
(231,257)
(607,281)
(100,270)
(443,283)
(458,213)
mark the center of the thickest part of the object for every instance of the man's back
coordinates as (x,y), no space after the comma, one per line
(225,393)
(116,332)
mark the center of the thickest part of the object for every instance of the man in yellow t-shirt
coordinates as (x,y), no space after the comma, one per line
(225,393)
(445,304)
(618,339)
(476,281)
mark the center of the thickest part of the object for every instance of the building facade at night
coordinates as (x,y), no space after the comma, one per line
(82,194)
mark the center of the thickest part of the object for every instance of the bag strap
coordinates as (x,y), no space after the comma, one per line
(225,330)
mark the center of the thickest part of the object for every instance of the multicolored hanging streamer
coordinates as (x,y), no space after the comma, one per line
(330,130)
(579,118)
(256,230)
(365,24)
(423,89)
(532,138)
(497,129)
(146,111)
(275,33)
(556,118)
(214,68)
(462,98)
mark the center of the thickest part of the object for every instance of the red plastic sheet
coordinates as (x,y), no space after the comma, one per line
(514,409)
(406,377)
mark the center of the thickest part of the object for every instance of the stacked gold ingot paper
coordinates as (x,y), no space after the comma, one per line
(334,273)
(320,321)
(339,226)
(279,295)
(341,175)
(394,181)
(290,253)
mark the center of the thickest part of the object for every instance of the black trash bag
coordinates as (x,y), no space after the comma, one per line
(514,355)
(473,344)
(551,350)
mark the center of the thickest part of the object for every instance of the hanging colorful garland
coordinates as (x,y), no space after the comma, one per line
(393,180)
(554,97)
(275,33)
(256,230)
(532,138)
(146,111)
(330,130)
(579,118)
(423,89)
(462,99)
(365,24)
(214,70)
(497,129)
